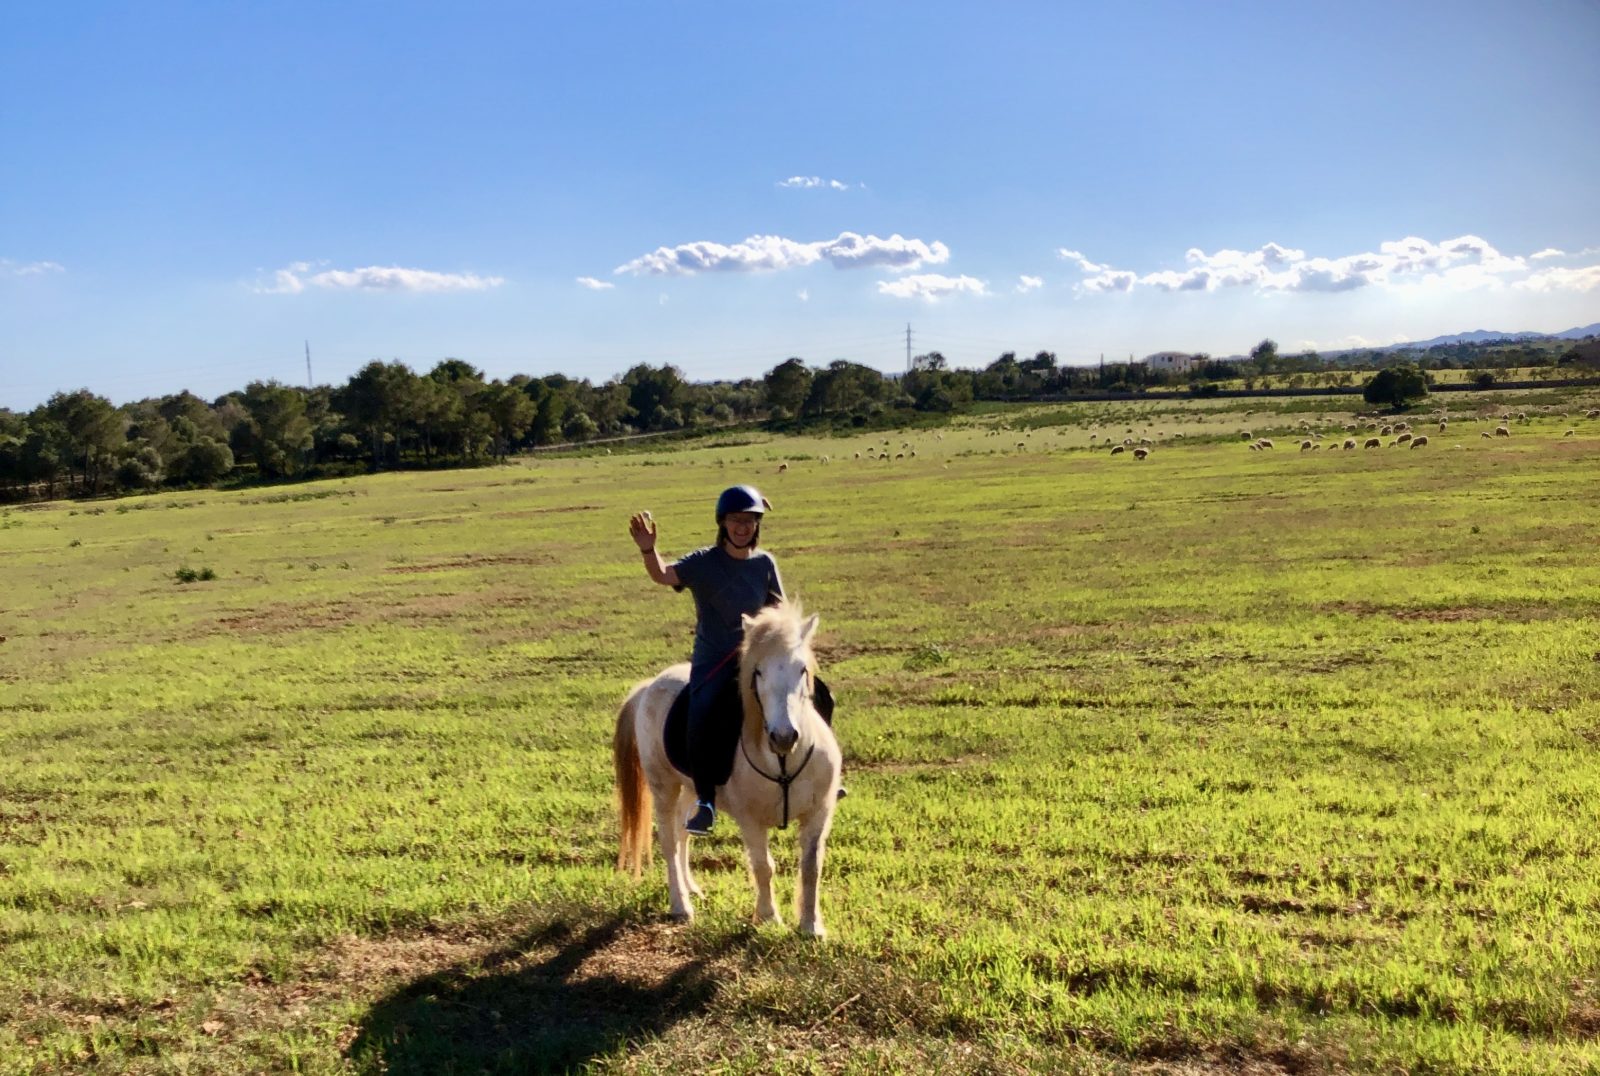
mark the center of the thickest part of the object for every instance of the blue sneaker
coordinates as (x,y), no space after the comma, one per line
(705,816)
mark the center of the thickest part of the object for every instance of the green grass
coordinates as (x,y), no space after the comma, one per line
(1218,760)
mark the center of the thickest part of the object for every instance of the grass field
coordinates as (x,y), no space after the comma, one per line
(1219,761)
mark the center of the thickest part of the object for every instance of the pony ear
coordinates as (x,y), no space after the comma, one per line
(745,620)
(809,628)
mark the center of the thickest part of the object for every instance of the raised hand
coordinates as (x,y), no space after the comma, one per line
(642,527)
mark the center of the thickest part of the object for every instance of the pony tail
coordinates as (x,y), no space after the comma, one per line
(633,795)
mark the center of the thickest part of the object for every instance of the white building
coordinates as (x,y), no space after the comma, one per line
(1172,362)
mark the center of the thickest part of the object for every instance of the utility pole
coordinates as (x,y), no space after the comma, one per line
(908,347)
(309,384)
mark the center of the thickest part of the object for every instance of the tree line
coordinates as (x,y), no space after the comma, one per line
(387,416)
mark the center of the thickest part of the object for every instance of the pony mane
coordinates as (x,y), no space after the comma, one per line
(776,629)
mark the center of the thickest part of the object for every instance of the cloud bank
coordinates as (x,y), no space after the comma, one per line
(11,268)
(392,278)
(773,253)
(812,183)
(1465,263)
(931,287)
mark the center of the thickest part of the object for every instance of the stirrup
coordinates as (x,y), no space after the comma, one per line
(705,816)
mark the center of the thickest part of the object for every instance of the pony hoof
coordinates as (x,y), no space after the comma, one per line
(682,917)
(815,932)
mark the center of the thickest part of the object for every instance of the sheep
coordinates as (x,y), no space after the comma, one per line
(1485,433)
(899,455)
(824,459)
(1115,449)
(1442,425)
(1021,445)
(1247,435)
(1307,446)
(1349,443)
(1140,453)
(1265,442)
(1387,431)
(1373,442)
(1419,441)
(1569,433)
(782,467)
(1402,439)
(858,455)
(1591,414)
(1501,431)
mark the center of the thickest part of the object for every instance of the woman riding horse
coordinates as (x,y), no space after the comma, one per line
(729,580)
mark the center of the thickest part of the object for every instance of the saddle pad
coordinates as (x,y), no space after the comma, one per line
(675,734)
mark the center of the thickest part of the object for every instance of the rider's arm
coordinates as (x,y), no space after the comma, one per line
(660,571)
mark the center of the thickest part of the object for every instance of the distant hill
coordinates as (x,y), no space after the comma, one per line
(1485,336)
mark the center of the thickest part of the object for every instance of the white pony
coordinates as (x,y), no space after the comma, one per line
(786,766)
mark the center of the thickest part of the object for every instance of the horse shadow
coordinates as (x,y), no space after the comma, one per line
(601,987)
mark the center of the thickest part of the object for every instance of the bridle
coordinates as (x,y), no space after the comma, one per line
(784,778)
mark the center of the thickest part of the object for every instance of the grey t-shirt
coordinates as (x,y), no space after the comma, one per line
(724,588)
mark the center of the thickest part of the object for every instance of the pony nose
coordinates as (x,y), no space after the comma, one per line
(783,740)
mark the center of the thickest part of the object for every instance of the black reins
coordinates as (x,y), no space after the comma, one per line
(784,778)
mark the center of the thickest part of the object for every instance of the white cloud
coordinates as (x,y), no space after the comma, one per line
(1584,279)
(804,295)
(1547,252)
(1465,263)
(294,279)
(11,268)
(812,183)
(1027,283)
(773,253)
(595,285)
(931,287)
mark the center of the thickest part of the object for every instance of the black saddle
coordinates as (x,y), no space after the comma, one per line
(675,735)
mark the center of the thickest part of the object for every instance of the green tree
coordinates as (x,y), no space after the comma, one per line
(787,386)
(1397,386)
(94,431)
(279,434)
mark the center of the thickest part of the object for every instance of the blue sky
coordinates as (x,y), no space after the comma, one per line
(190,191)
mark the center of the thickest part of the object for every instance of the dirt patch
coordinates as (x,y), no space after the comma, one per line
(1443,614)
(468,562)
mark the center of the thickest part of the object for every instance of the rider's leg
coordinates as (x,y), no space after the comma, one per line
(714,715)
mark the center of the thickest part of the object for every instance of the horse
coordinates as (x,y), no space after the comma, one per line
(786,765)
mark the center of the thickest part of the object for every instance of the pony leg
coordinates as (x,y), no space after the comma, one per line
(760,854)
(674,849)
(813,844)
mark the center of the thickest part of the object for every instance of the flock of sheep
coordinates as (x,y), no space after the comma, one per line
(1366,431)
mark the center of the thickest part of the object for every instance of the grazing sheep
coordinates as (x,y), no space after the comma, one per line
(782,467)
(1307,446)
(1591,414)
(1442,425)
(1373,442)
(1140,453)
(1402,439)
(1247,435)
(1116,449)
(858,455)
(1387,431)
(1265,442)
(1022,444)
(1569,433)
(1349,443)
(1485,433)
(1420,441)
(899,455)
(824,459)
(1501,431)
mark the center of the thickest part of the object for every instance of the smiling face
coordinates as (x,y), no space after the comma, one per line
(741,528)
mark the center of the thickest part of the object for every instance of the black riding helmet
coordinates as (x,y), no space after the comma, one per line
(740,499)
